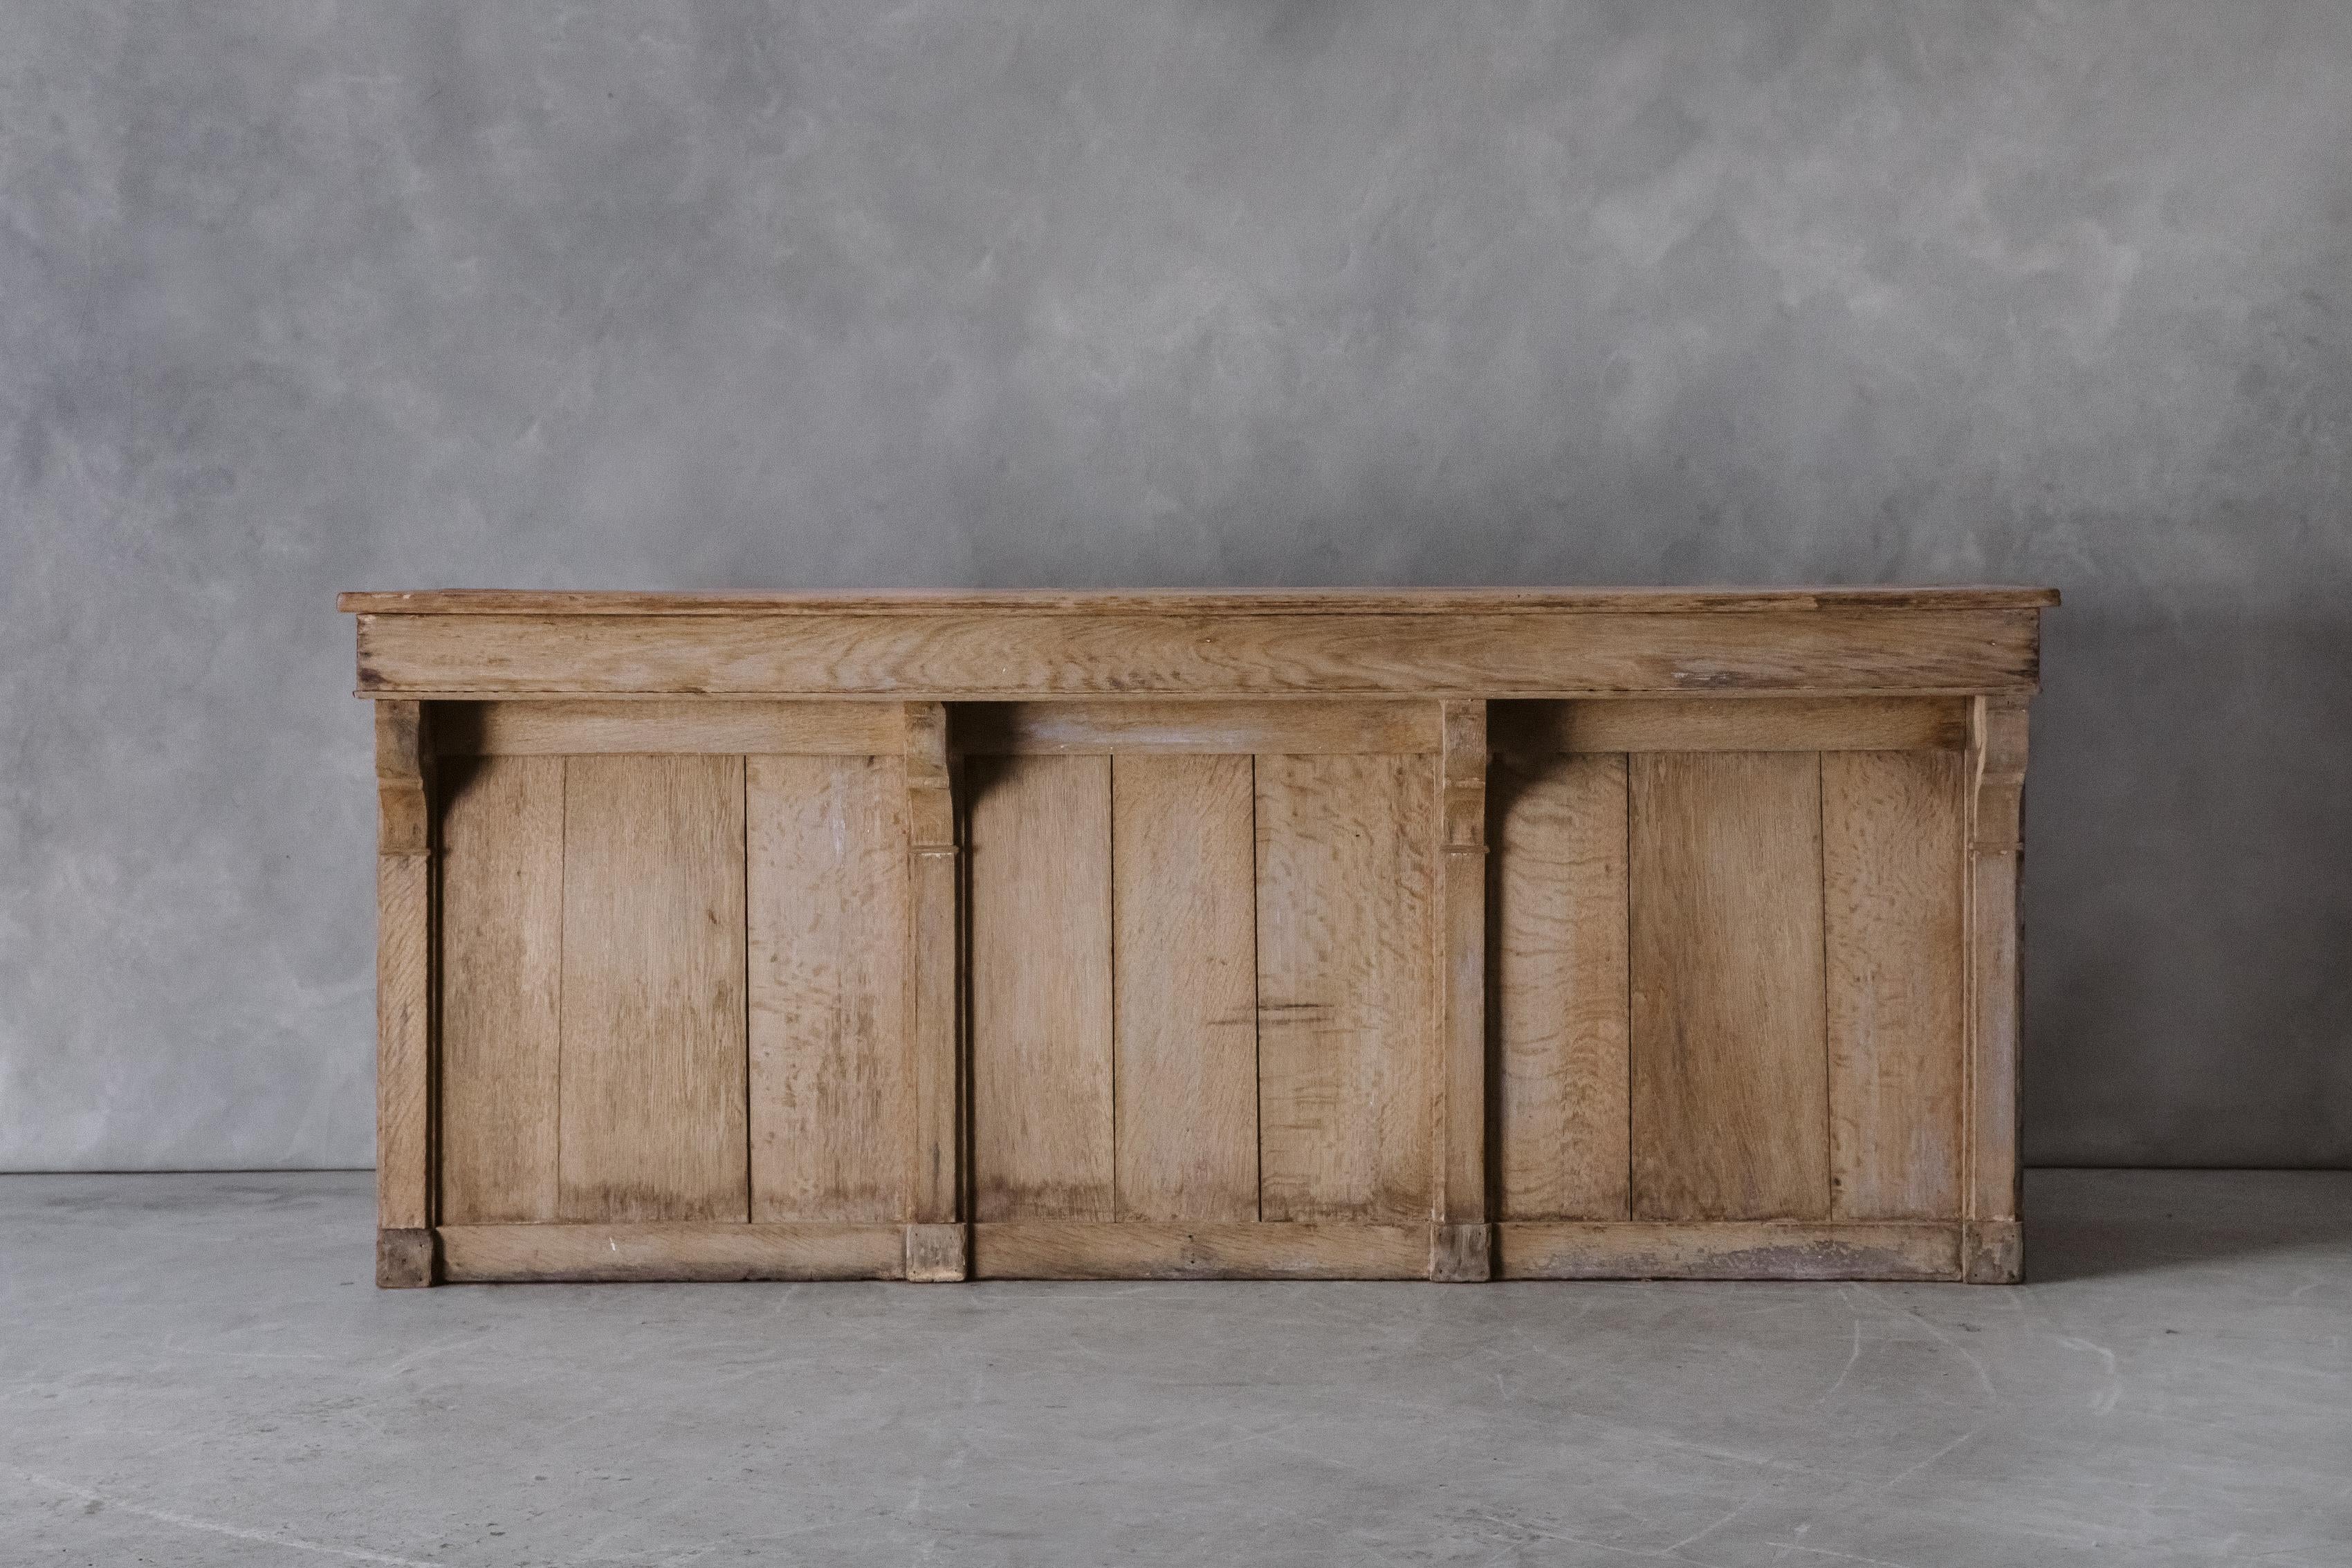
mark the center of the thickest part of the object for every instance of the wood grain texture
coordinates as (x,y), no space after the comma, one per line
(653,1075)
(935,969)
(1182,602)
(1183,905)
(488,1254)
(1996,784)
(1459,1070)
(1571,1250)
(1062,1250)
(1748,724)
(1560,981)
(1729,1063)
(501,979)
(832,1086)
(1346,992)
(404,977)
(976,655)
(1041,987)
(1297,727)
(1893,861)
(665,725)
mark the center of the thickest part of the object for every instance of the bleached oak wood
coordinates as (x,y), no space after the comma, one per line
(831,1091)
(1459,1163)
(1297,727)
(1730,1073)
(1069,1250)
(974,654)
(653,1074)
(678,1250)
(1274,964)
(501,979)
(1753,723)
(936,1145)
(1345,988)
(570,726)
(1194,603)
(1560,977)
(403,993)
(1994,1244)
(1562,1250)
(1041,1111)
(1892,866)
(1185,938)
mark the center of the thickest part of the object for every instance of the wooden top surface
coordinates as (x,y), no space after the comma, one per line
(1197,601)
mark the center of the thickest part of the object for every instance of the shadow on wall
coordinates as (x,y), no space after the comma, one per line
(2188,885)
(2099,1224)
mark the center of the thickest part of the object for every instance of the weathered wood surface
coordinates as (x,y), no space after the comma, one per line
(501,984)
(974,654)
(1185,942)
(1345,997)
(1730,1075)
(1560,977)
(1190,601)
(653,1081)
(1351,935)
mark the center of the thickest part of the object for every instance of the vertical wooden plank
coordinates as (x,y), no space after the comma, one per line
(654,1067)
(832,1103)
(1561,987)
(1730,1092)
(1892,864)
(938,1246)
(1994,1248)
(1346,996)
(1041,987)
(1183,900)
(404,999)
(501,972)
(1462,1251)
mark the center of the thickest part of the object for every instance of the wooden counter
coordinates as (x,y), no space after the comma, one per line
(1340,934)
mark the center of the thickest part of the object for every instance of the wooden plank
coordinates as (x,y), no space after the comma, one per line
(1346,992)
(501,976)
(1996,754)
(1459,1070)
(653,1065)
(1743,723)
(1185,1072)
(1297,727)
(485,1254)
(723,727)
(934,967)
(1066,1249)
(1193,602)
(832,1089)
(1561,1109)
(1893,860)
(1730,1068)
(1572,1251)
(1041,987)
(974,654)
(403,997)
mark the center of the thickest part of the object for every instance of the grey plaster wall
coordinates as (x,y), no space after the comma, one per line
(301,296)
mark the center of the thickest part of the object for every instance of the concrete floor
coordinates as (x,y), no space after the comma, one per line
(195,1370)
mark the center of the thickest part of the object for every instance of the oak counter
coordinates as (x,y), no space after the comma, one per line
(1340,934)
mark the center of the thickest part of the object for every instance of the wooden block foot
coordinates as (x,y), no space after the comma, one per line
(1461,1254)
(1992,1252)
(937,1254)
(404,1259)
